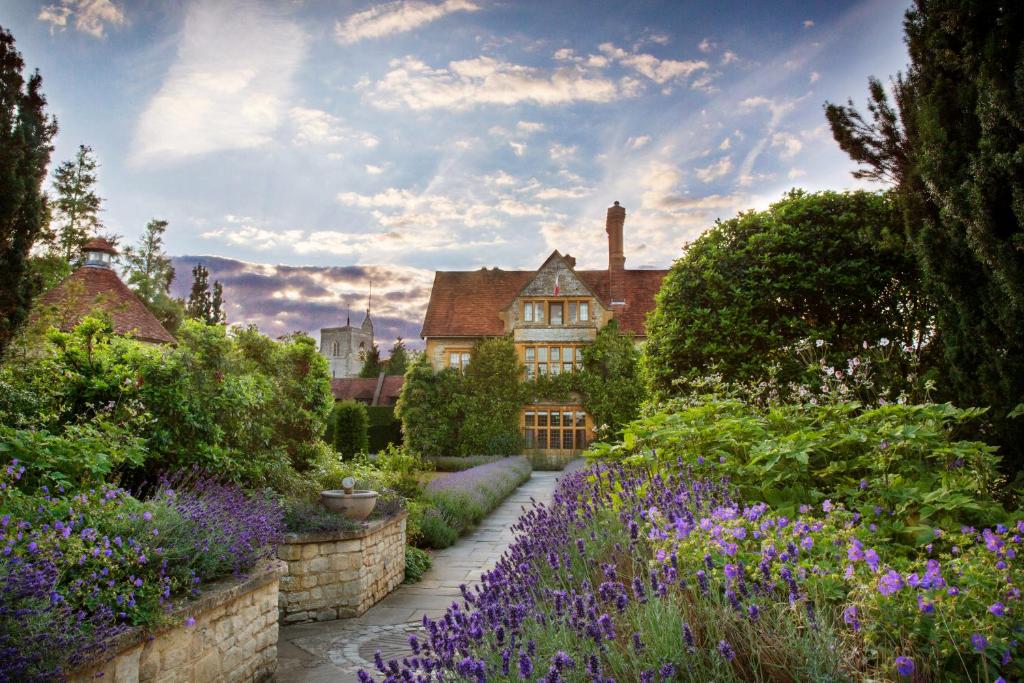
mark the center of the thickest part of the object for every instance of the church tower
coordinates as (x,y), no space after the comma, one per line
(343,347)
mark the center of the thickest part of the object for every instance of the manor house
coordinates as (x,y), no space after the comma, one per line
(552,313)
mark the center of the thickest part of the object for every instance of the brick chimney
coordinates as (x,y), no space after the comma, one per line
(616,255)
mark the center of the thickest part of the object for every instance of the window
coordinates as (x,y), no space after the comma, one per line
(555,428)
(458,359)
(558,311)
(551,360)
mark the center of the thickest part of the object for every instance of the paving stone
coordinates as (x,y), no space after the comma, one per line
(336,650)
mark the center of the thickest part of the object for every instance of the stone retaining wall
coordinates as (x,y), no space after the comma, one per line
(338,574)
(234,638)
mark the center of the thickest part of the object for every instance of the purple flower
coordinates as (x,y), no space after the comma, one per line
(827,506)
(890,582)
(998,609)
(871,557)
(979,642)
(190,621)
(726,651)
(904,666)
(850,617)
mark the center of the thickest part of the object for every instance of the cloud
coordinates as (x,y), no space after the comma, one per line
(373,170)
(317,127)
(577,192)
(706,45)
(396,17)
(518,148)
(808,23)
(484,80)
(715,171)
(638,142)
(89,16)
(284,299)
(228,88)
(726,144)
(562,154)
(789,145)
(529,127)
(658,70)
(729,57)
(814,77)
(779,108)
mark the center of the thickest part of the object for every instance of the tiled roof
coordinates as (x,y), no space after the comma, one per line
(90,287)
(99,244)
(363,388)
(467,303)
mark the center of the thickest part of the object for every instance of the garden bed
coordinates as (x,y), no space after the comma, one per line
(341,573)
(228,633)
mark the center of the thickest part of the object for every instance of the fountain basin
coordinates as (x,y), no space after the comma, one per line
(356,505)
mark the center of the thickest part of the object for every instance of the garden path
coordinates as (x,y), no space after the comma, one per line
(336,650)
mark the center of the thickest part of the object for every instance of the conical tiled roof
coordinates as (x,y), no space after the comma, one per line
(92,287)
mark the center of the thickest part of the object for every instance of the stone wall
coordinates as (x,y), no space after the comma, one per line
(234,638)
(333,575)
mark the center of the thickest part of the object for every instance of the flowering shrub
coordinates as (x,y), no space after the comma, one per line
(101,560)
(903,459)
(465,497)
(634,575)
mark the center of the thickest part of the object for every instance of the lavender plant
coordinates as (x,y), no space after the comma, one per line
(632,574)
(465,497)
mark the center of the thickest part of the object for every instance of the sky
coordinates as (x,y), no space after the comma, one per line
(306,151)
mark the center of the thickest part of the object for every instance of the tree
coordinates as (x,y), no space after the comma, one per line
(961,133)
(149,273)
(202,305)
(611,382)
(372,363)
(25,134)
(349,425)
(429,408)
(399,359)
(493,399)
(828,265)
(76,204)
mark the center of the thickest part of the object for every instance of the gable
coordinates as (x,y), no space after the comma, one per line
(556,269)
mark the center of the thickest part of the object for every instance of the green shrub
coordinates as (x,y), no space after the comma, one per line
(417,562)
(384,428)
(429,408)
(492,400)
(435,530)
(459,463)
(905,459)
(349,428)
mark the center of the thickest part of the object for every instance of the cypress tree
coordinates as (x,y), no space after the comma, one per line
(25,134)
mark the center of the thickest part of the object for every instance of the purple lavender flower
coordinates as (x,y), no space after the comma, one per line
(726,650)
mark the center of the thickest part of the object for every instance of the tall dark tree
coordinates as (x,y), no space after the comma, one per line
(372,363)
(149,273)
(399,359)
(203,304)
(961,155)
(25,134)
(76,205)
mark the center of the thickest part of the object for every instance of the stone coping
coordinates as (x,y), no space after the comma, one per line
(365,529)
(212,594)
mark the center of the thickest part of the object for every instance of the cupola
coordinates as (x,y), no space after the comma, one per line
(99,253)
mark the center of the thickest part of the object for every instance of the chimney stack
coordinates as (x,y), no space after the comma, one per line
(616,255)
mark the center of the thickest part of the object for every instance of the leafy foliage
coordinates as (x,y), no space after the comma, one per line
(76,205)
(372,363)
(214,400)
(25,137)
(825,265)
(491,400)
(611,383)
(384,428)
(955,150)
(149,274)
(398,361)
(349,428)
(417,562)
(429,409)
(204,304)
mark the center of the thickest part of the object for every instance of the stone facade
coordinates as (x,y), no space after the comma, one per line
(234,638)
(334,575)
(343,347)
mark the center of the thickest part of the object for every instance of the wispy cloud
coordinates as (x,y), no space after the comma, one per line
(396,17)
(317,127)
(658,70)
(228,88)
(485,81)
(88,16)
(715,171)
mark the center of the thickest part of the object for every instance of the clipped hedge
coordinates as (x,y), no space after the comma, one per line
(384,428)
(349,423)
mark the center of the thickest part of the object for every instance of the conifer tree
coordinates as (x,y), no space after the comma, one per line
(26,131)
(149,273)
(956,136)
(372,363)
(202,304)
(76,204)
(399,359)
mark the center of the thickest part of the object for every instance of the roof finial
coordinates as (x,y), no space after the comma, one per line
(348,317)
(369,299)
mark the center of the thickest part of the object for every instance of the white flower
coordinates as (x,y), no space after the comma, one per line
(883,342)
(819,343)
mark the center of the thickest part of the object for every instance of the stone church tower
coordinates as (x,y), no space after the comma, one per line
(343,346)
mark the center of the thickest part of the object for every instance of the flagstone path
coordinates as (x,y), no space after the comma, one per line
(336,650)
